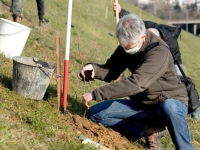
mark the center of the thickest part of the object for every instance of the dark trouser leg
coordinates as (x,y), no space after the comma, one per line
(40,7)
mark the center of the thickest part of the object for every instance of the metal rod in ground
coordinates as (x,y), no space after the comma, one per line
(66,61)
(58,66)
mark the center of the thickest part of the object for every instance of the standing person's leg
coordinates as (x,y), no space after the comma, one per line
(41,12)
(175,112)
(17,10)
(40,8)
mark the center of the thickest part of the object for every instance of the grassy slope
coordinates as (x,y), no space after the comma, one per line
(28,124)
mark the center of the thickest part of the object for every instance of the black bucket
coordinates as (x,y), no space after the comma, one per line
(31,77)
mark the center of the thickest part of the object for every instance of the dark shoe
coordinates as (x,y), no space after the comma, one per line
(17,19)
(153,136)
(43,22)
(195,114)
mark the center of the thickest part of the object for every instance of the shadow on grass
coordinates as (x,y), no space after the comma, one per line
(75,106)
(6,82)
(52,90)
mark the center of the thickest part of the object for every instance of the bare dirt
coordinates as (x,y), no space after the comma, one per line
(98,133)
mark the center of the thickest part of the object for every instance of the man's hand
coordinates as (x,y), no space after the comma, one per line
(87,73)
(116,7)
(86,98)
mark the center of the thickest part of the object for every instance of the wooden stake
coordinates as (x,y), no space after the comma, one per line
(117,16)
(116,12)
(106,12)
(58,71)
(117,20)
(1,8)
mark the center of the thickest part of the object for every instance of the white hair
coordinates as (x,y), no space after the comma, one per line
(129,29)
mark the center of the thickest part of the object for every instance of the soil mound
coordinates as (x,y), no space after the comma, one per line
(98,133)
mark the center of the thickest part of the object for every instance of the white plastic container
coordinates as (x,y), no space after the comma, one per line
(13,37)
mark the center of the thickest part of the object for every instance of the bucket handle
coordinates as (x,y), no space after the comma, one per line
(13,33)
(40,66)
(45,73)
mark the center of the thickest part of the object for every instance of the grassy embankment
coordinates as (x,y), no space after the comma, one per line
(29,124)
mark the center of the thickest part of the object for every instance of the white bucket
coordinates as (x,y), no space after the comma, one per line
(13,37)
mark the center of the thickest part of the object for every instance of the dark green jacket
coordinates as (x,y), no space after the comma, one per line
(155,80)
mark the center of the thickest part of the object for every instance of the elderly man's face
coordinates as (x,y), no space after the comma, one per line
(130,46)
(133,48)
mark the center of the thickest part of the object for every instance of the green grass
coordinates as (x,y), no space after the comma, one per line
(28,124)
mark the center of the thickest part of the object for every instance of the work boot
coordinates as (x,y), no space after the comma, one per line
(43,22)
(195,114)
(17,19)
(153,136)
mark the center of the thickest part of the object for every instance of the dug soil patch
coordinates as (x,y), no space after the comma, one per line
(98,133)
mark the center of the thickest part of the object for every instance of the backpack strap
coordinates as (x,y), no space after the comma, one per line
(149,47)
(179,67)
(169,31)
(177,32)
(141,54)
(183,73)
(169,36)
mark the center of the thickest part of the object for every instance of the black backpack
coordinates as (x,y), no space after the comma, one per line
(193,95)
(170,35)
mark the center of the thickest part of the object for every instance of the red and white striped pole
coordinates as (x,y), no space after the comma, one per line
(66,61)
